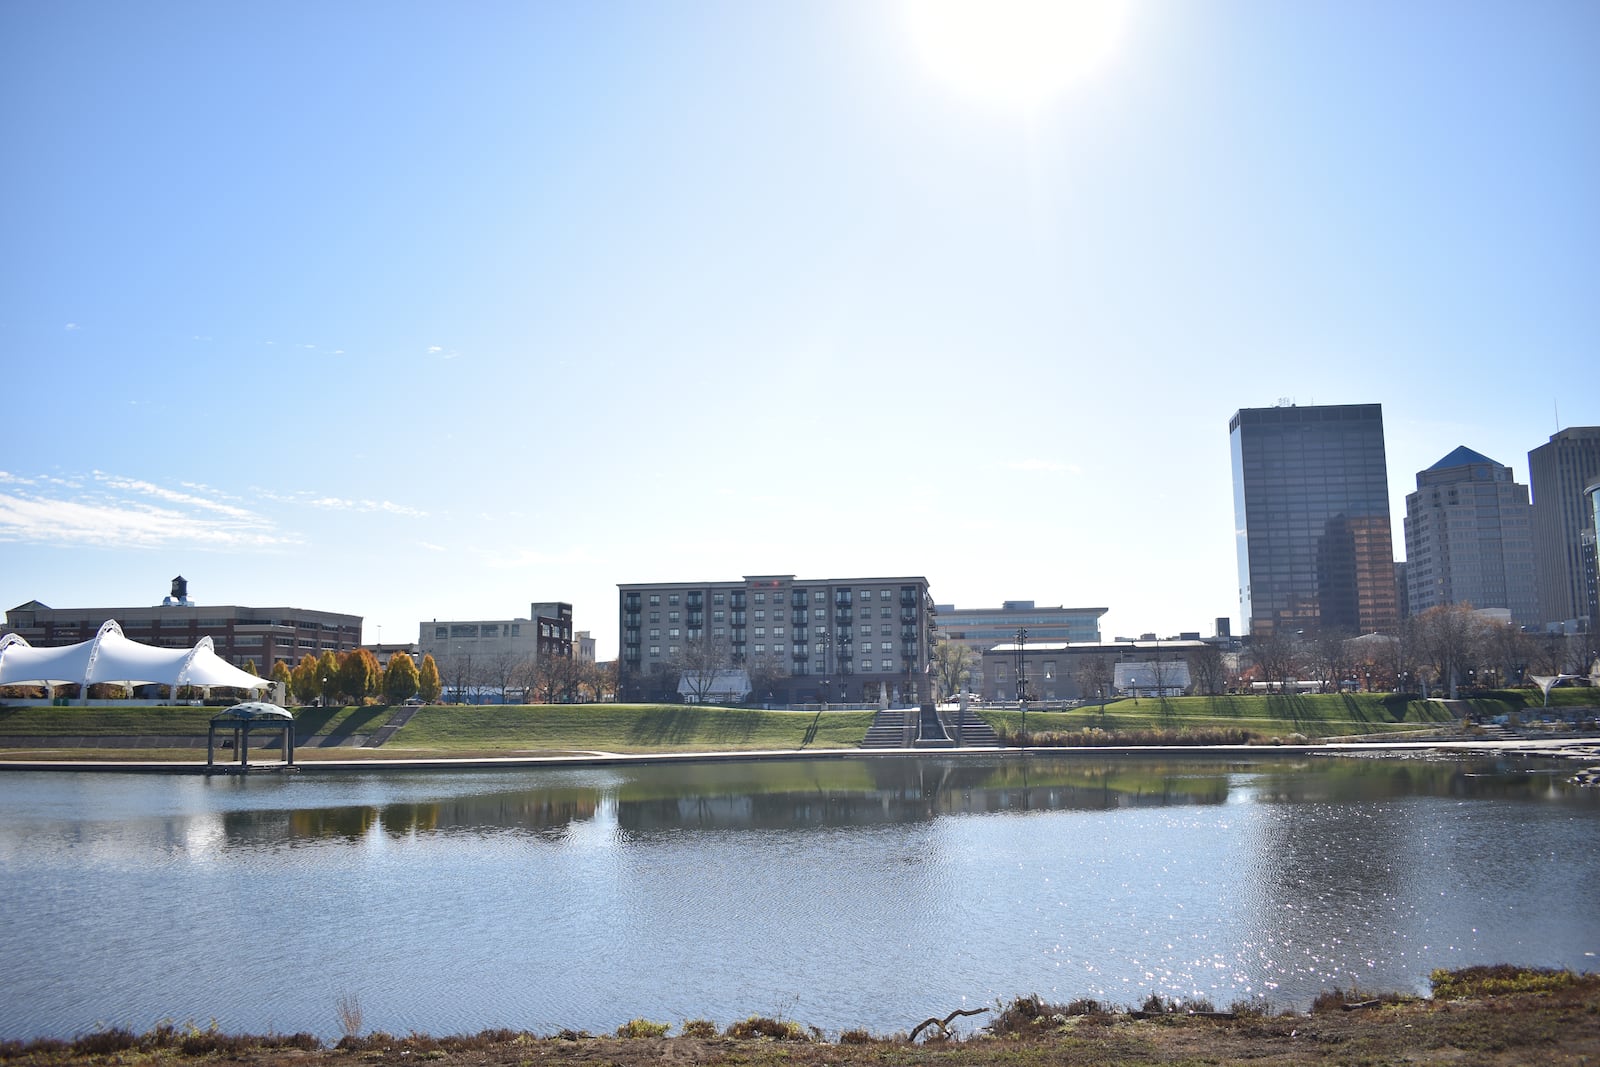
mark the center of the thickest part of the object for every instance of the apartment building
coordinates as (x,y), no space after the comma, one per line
(799,640)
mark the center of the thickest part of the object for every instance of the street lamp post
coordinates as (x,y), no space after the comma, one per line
(1022,682)
(825,639)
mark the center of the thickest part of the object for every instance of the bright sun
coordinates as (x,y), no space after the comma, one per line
(1016,54)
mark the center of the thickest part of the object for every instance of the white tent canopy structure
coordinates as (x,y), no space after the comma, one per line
(113,659)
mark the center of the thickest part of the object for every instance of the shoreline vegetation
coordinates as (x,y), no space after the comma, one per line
(1479,1015)
(100,733)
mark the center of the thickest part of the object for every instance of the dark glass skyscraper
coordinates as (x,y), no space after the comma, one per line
(1311,519)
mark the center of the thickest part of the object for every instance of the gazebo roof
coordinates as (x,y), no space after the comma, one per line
(252,711)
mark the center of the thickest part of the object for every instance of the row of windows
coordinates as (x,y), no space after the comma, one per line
(717,599)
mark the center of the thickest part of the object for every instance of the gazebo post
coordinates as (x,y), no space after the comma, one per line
(244,744)
(288,743)
(211,744)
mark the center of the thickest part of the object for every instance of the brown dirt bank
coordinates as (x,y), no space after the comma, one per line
(1491,1016)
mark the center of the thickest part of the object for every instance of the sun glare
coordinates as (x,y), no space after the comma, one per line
(1016,54)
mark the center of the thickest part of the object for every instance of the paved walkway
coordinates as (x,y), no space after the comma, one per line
(1580,749)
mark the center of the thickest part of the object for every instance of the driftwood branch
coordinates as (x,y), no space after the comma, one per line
(944,1024)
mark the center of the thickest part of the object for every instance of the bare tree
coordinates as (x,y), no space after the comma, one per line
(557,678)
(600,680)
(1451,638)
(503,668)
(1507,652)
(1277,657)
(1404,653)
(1207,669)
(766,671)
(462,669)
(1326,657)
(1095,675)
(952,667)
(700,662)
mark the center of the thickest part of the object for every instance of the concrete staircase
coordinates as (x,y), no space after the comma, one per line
(894,728)
(401,716)
(975,733)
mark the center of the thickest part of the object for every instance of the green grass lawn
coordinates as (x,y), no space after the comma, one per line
(161,720)
(490,730)
(625,728)
(1314,716)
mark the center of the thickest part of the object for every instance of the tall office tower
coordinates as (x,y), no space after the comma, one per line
(1558,472)
(1311,519)
(1469,538)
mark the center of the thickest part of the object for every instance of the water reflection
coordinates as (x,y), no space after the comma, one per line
(819,794)
(859,892)
(899,791)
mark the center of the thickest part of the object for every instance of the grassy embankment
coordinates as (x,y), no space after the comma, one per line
(459,731)
(1225,719)
(509,730)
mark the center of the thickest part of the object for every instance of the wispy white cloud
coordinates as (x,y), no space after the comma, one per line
(438,350)
(128,513)
(431,547)
(339,503)
(71,327)
(191,497)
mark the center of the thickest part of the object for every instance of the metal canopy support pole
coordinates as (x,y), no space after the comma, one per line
(244,745)
(211,745)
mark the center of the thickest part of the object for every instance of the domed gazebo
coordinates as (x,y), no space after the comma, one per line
(243,718)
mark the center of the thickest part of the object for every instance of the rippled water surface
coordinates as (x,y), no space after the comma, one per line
(862,892)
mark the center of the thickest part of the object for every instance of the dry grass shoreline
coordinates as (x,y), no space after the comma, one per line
(1487,1015)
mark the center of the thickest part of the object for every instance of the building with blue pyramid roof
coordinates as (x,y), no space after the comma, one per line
(1469,538)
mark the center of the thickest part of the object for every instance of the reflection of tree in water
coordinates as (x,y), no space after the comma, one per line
(1341,779)
(543,811)
(916,790)
(273,827)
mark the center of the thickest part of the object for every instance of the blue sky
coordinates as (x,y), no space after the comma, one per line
(422,311)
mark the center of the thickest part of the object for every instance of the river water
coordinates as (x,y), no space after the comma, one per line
(842,893)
